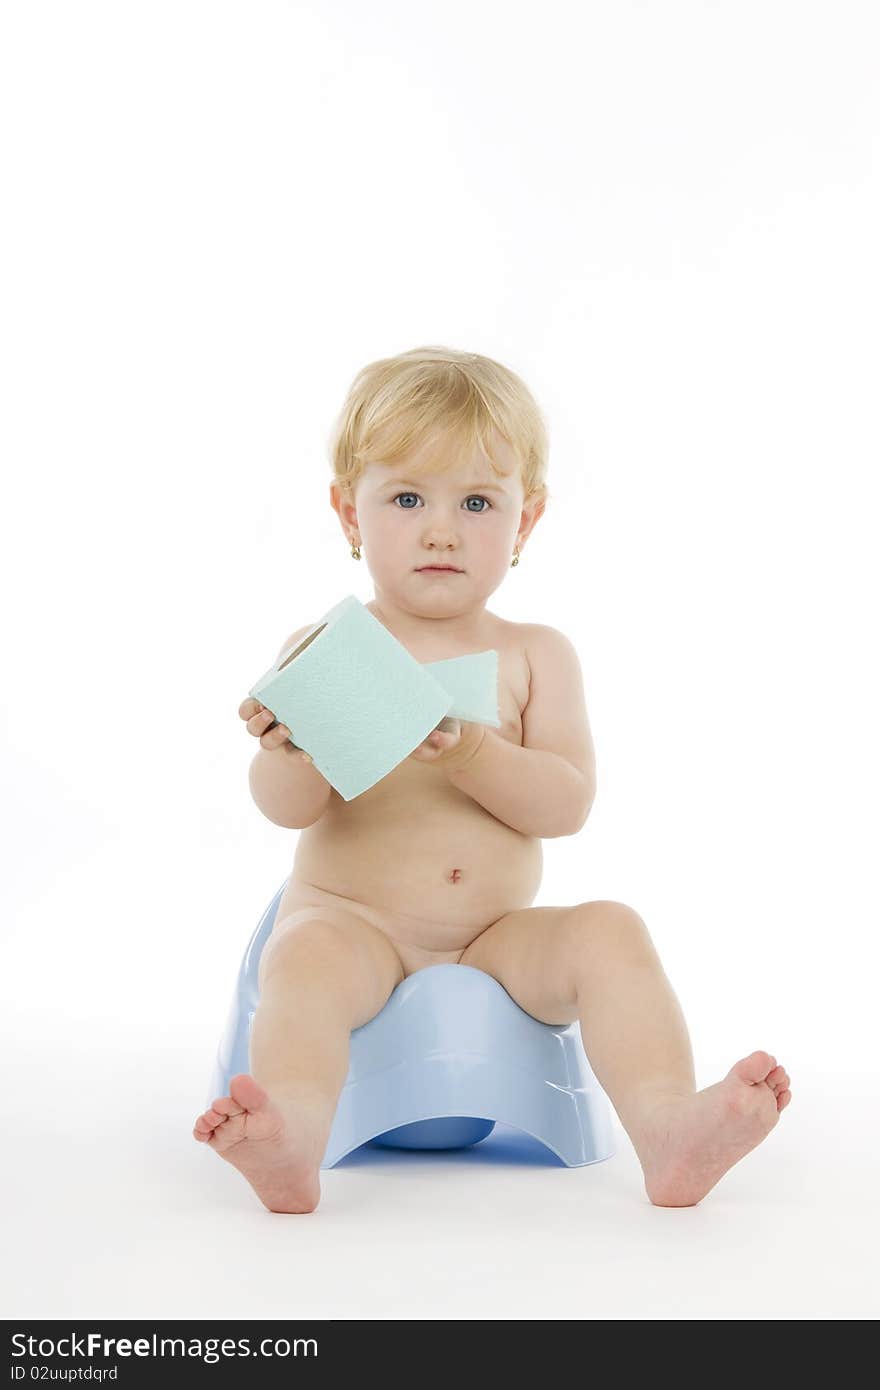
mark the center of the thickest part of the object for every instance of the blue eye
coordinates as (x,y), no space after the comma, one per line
(475,497)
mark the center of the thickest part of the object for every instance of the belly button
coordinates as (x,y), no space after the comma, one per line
(455,875)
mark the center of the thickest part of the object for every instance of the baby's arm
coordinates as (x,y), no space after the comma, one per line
(546,787)
(288,790)
(285,784)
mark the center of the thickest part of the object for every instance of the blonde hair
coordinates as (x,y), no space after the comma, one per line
(397,403)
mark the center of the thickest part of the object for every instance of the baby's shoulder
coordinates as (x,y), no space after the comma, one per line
(537,637)
(547,649)
(527,638)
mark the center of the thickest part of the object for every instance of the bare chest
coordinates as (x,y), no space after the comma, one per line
(414,785)
(415,843)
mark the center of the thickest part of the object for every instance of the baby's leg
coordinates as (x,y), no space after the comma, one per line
(596,963)
(321,975)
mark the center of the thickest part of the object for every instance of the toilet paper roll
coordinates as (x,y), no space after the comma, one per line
(358,702)
(472,681)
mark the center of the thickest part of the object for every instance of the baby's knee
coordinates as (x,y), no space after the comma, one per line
(338,955)
(606,923)
(303,942)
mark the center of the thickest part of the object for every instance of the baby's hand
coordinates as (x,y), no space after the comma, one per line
(261,723)
(452,745)
(445,737)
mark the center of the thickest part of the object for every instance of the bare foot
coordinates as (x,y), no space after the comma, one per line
(278,1149)
(689,1142)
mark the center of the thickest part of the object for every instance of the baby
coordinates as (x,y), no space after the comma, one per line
(441,860)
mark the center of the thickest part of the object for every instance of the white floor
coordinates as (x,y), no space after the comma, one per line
(114,1211)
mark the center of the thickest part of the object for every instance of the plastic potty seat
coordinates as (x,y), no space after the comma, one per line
(448,1056)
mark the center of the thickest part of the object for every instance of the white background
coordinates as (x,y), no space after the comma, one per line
(665,218)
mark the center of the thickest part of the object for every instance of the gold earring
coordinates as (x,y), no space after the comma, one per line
(515,560)
(355,551)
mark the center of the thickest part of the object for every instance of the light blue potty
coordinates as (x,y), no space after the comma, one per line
(448,1056)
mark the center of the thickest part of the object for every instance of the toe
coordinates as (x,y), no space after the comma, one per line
(782,1099)
(755,1067)
(778,1080)
(248,1093)
(226,1106)
(210,1119)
